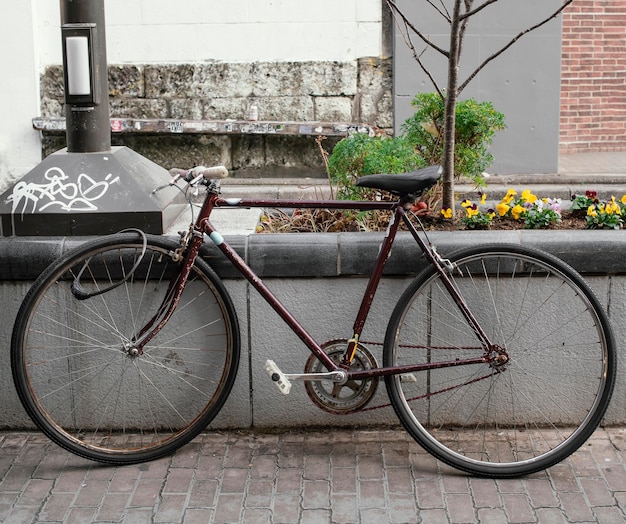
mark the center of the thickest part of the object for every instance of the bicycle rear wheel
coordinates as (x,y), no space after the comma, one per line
(73,364)
(502,419)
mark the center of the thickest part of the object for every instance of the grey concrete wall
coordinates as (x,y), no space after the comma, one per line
(523,83)
(322,283)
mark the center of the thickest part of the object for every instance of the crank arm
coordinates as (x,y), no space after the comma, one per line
(334,376)
(283,380)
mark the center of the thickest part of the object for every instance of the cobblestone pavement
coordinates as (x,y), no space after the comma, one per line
(339,476)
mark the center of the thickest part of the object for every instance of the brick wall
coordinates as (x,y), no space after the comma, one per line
(593,88)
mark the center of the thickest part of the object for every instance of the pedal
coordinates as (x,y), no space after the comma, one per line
(278,377)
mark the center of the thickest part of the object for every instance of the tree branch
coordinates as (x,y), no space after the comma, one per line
(443,11)
(515,39)
(394,9)
(418,59)
(467,14)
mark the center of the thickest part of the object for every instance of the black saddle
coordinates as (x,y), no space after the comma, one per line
(410,184)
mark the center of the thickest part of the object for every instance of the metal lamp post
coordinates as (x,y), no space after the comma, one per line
(88,188)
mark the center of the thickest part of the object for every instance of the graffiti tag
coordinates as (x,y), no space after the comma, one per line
(60,192)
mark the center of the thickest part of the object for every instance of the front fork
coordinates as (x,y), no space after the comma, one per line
(187,256)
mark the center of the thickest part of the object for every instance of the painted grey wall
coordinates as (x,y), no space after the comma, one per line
(523,83)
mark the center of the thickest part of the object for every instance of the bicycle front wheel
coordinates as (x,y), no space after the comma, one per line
(75,369)
(520,414)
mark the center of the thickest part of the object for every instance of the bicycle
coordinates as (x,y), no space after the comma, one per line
(499,360)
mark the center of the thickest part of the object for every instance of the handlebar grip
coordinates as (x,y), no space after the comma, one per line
(177,172)
(210,172)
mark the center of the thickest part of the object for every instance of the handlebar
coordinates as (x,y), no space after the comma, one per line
(196,174)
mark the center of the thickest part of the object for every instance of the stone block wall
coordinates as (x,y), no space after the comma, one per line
(353,92)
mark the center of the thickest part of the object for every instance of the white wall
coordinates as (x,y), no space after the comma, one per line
(19,90)
(171,31)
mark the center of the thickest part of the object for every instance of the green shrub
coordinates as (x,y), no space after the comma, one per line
(476,124)
(359,155)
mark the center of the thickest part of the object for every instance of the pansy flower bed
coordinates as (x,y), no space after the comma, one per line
(531,212)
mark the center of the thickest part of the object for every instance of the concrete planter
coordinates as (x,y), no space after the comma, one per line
(321,278)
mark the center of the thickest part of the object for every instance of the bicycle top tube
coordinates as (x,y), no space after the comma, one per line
(406,186)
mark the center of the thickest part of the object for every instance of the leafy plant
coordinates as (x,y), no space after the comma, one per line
(580,203)
(605,215)
(360,154)
(533,212)
(476,124)
(475,218)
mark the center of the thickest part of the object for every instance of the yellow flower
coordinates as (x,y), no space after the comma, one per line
(509,196)
(471,211)
(483,199)
(466,203)
(517,211)
(447,213)
(502,208)
(613,208)
(591,211)
(491,215)
(527,196)
(624,199)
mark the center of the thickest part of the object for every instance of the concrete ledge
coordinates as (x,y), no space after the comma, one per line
(291,255)
(320,278)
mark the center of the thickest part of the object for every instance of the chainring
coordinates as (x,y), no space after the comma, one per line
(341,399)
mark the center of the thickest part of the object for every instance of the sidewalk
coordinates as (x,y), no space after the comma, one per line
(335,476)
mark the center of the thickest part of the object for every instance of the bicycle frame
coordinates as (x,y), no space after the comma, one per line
(203,226)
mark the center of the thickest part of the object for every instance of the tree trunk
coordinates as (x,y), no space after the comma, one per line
(450,109)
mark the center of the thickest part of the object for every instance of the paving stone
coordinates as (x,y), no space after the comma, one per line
(402,508)
(550,516)
(171,508)
(56,507)
(541,493)
(460,508)
(178,480)
(609,515)
(485,493)
(575,507)
(493,516)
(345,508)
(113,507)
(597,492)
(518,508)
(344,480)
(316,494)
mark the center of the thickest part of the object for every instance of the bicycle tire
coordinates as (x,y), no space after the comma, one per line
(73,368)
(537,409)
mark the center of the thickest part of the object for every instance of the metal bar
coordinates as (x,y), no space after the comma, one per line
(87,128)
(363,205)
(215,127)
(400,370)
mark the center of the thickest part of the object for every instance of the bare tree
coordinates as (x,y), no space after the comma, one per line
(418,42)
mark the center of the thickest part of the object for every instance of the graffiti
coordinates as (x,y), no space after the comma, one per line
(58,191)
(175,127)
